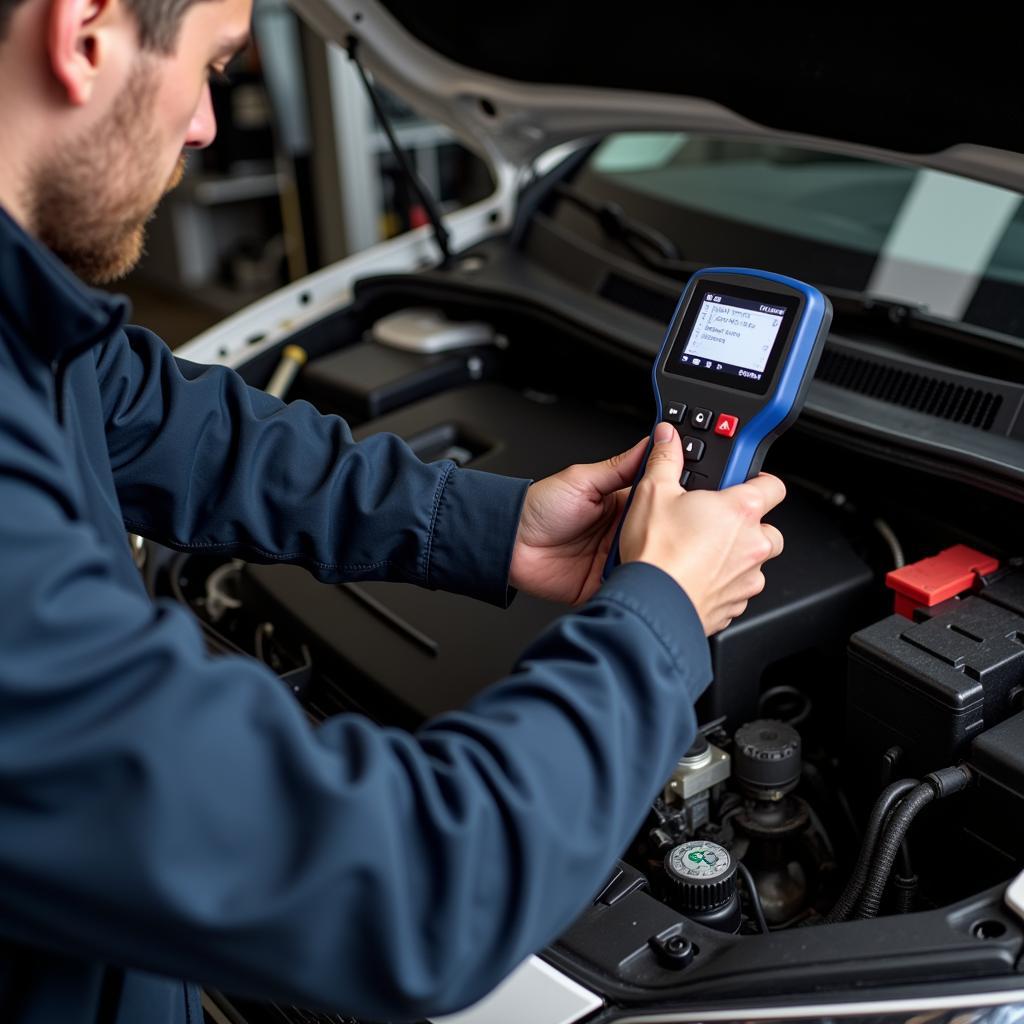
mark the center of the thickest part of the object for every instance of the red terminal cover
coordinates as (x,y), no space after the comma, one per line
(936,579)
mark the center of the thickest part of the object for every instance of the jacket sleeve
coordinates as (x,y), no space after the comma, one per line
(203,462)
(172,813)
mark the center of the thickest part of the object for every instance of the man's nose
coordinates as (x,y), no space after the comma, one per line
(203,129)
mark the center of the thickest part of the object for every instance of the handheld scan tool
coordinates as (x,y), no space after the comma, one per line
(733,371)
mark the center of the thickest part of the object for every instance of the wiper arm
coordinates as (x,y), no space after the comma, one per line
(654,250)
(849,302)
(893,317)
(646,244)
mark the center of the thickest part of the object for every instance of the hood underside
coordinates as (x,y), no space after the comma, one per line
(931,90)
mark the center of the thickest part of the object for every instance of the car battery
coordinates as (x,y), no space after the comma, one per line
(928,686)
(996,809)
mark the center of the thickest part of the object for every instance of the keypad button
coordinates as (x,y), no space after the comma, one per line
(697,482)
(701,418)
(726,425)
(693,449)
(675,411)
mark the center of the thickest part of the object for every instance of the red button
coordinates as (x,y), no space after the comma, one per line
(726,425)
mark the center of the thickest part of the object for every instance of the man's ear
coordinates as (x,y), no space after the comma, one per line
(81,35)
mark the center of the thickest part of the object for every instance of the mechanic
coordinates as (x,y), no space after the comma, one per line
(165,815)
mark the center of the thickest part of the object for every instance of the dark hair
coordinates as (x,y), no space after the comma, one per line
(159,20)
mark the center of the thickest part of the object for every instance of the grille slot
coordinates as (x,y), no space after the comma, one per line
(957,403)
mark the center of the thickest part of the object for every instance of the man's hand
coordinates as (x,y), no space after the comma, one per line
(712,543)
(567,527)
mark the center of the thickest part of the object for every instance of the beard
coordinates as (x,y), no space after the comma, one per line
(90,202)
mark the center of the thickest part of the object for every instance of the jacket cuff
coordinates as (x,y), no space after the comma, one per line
(655,597)
(476,517)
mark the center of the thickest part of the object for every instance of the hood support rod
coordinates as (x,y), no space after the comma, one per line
(429,203)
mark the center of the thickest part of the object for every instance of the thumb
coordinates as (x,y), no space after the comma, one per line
(617,472)
(665,463)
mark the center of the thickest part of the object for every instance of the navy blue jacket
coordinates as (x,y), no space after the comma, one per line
(165,815)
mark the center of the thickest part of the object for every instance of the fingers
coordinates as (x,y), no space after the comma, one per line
(774,538)
(665,463)
(618,471)
(759,496)
(749,585)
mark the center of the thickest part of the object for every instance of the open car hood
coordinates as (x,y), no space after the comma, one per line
(515,84)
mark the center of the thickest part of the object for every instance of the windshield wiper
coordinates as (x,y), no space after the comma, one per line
(911,328)
(646,244)
(884,317)
(894,318)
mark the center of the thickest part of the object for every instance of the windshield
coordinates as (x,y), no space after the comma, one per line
(949,244)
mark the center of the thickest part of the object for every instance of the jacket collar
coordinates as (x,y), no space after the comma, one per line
(44,305)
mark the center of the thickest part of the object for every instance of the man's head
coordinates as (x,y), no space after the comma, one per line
(101,99)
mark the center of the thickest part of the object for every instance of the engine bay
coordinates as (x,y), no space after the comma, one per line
(853,804)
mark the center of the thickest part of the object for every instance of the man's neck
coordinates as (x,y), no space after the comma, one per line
(14,193)
(24,124)
(20,132)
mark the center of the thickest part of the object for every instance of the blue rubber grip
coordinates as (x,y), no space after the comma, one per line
(790,377)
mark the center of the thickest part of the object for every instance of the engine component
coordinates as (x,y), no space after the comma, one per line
(931,686)
(777,837)
(755,898)
(996,808)
(293,359)
(426,331)
(876,821)
(819,590)
(367,380)
(931,581)
(703,767)
(703,884)
(222,593)
(767,759)
(935,786)
(777,843)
